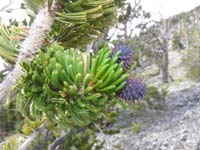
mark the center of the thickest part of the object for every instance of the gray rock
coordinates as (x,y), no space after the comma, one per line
(175,128)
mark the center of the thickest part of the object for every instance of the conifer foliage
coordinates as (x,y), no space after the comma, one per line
(69,87)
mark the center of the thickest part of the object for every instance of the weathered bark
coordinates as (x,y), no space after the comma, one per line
(38,32)
(163,41)
(58,141)
(26,145)
(99,41)
(165,49)
(165,72)
(125,31)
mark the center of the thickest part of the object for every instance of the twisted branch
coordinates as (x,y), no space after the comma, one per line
(37,33)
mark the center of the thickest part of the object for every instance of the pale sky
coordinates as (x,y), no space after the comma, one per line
(18,14)
(168,7)
(156,7)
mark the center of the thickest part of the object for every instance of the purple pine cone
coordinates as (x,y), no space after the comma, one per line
(133,90)
(126,56)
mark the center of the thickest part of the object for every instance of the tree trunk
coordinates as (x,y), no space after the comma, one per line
(125,31)
(165,71)
(38,32)
(34,137)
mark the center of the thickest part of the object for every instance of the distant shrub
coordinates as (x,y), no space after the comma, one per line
(177,44)
(12,143)
(155,99)
(136,128)
(192,63)
(86,140)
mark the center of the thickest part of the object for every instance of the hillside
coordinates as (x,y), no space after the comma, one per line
(175,125)
(184,38)
(174,128)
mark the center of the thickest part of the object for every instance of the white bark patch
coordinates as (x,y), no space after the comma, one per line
(38,32)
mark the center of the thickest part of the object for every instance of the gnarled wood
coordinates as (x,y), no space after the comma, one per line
(38,32)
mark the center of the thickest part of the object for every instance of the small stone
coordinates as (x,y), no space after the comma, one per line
(187,114)
(184,138)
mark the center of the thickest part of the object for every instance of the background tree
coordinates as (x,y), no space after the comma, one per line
(129,15)
(37,61)
(192,58)
(48,25)
(155,40)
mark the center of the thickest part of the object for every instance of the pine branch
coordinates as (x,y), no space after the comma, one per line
(59,140)
(38,32)
(26,145)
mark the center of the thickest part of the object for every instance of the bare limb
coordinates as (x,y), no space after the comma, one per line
(61,139)
(137,3)
(6,6)
(42,140)
(32,138)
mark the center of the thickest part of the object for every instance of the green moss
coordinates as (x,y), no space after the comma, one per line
(136,128)
(82,141)
(193,73)
(177,44)
(192,59)
(10,120)
(111,131)
(117,146)
(138,107)
(12,143)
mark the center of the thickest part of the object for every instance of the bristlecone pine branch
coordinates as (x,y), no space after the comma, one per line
(69,87)
(38,32)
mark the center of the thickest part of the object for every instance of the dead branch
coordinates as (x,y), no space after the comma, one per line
(6,6)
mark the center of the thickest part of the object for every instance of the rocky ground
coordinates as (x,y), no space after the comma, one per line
(177,127)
